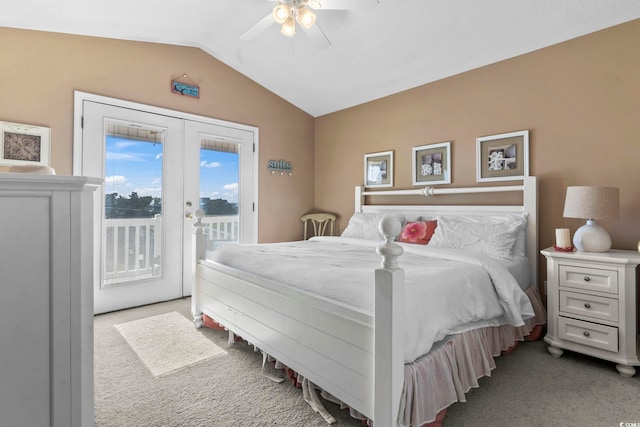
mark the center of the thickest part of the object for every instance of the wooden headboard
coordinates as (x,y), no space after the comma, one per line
(529,189)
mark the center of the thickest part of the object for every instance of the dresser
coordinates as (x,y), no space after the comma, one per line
(592,305)
(46,308)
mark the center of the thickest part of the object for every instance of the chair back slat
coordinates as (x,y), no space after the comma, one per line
(319,222)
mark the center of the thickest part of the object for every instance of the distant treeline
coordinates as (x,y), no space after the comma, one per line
(134,206)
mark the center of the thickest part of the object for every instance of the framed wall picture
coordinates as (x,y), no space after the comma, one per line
(431,164)
(24,144)
(378,169)
(503,157)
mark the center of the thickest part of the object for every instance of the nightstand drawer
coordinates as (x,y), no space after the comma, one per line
(586,333)
(589,305)
(594,279)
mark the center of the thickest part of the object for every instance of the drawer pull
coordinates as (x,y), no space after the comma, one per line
(586,333)
(587,305)
(587,278)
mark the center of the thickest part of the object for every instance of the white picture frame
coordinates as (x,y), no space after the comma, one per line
(502,157)
(431,164)
(22,144)
(378,169)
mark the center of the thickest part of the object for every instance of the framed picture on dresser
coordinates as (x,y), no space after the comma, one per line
(22,144)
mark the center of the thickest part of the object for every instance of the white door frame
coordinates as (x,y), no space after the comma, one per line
(80,97)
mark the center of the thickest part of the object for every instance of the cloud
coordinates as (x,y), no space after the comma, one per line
(158,156)
(115,179)
(210,165)
(124,156)
(231,187)
(123,143)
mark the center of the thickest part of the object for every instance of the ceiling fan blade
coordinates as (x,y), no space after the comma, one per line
(343,4)
(258,27)
(317,37)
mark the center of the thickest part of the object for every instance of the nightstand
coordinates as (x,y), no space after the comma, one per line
(592,305)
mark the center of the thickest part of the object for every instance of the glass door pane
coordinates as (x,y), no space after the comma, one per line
(133,204)
(219,178)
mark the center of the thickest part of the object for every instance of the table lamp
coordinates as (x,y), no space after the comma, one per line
(592,203)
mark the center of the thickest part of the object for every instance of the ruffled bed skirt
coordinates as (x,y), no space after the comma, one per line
(442,377)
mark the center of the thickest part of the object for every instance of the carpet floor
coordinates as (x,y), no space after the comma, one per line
(528,388)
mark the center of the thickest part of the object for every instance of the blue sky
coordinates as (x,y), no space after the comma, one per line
(137,166)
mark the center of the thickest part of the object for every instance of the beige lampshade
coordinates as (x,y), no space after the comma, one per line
(592,202)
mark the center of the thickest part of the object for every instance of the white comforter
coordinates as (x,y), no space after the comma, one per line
(447,291)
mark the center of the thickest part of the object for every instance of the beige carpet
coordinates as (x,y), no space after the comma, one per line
(528,388)
(167,343)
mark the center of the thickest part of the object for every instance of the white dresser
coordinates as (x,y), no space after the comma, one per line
(46,308)
(592,305)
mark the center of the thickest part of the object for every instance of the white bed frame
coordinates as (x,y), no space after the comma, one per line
(357,358)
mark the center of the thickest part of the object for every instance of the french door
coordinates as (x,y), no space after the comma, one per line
(158,169)
(221,179)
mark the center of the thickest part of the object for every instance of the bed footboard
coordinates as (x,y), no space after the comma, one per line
(356,357)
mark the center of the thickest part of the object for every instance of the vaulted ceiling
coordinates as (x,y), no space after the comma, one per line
(397,45)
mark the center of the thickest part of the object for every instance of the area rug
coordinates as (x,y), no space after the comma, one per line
(168,343)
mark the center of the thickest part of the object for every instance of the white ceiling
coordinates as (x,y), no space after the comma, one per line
(398,45)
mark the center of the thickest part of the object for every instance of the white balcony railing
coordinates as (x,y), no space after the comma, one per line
(222,228)
(133,248)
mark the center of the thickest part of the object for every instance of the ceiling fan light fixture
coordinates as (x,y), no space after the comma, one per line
(289,27)
(306,18)
(281,13)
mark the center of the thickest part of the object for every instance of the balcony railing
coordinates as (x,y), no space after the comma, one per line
(132,250)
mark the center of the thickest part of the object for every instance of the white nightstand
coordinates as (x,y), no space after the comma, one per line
(592,305)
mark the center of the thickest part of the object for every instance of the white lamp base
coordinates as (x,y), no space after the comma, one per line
(591,237)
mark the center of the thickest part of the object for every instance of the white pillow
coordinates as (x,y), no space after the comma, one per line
(494,235)
(520,246)
(365,226)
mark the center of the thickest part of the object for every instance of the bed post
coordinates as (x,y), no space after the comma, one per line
(200,253)
(388,328)
(530,206)
(359,198)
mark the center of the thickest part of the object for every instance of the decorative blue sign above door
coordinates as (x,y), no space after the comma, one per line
(185,89)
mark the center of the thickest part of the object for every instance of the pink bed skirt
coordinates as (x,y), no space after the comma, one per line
(442,377)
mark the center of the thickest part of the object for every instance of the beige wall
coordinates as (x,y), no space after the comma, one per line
(40,71)
(579,99)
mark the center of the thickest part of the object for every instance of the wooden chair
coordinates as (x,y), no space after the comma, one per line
(320,221)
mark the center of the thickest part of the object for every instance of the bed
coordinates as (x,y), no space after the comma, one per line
(376,349)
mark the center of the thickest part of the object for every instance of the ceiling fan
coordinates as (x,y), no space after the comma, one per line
(288,13)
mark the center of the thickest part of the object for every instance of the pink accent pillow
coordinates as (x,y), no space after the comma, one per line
(419,232)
